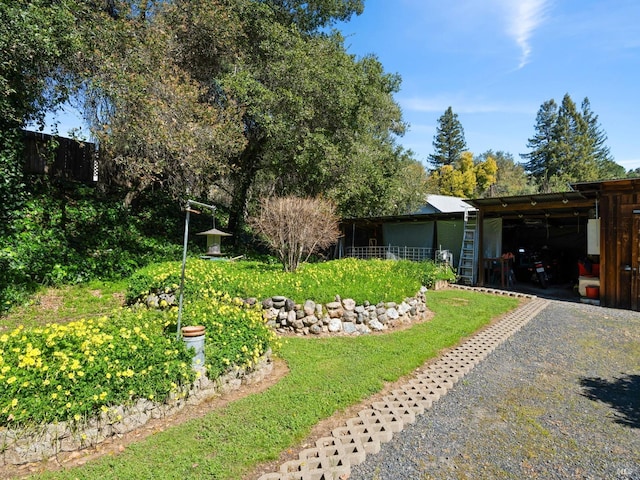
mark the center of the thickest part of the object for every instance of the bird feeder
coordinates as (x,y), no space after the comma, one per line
(214,238)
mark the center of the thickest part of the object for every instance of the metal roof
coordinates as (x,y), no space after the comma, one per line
(444,204)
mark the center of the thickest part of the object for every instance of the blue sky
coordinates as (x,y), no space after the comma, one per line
(496,61)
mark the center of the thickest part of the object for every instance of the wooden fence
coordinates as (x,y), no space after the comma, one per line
(71,159)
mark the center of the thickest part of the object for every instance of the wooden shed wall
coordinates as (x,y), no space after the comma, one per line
(620,245)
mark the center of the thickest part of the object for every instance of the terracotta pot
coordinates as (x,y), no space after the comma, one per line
(193,331)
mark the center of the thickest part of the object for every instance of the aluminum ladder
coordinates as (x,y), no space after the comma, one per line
(467,271)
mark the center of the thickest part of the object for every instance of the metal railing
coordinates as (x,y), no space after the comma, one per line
(415,254)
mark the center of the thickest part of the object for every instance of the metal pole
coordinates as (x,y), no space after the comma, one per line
(184,264)
(184,259)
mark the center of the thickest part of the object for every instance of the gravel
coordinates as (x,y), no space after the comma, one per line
(560,399)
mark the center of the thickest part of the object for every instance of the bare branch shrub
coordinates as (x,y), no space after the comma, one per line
(294,227)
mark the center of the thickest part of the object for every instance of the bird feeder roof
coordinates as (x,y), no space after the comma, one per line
(215,231)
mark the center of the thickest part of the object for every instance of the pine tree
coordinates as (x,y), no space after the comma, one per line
(569,146)
(607,167)
(542,144)
(449,142)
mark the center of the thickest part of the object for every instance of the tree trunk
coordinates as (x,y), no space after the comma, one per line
(249,165)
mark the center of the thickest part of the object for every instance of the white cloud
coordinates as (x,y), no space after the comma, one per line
(459,104)
(523,17)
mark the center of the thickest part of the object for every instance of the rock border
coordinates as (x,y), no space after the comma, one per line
(342,316)
(40,442)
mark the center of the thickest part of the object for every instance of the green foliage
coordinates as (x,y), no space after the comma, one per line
(70,234)
(79,370)
(336,373)
(467,177)
(372,280)
(235,335)
(511,178)
(12,187)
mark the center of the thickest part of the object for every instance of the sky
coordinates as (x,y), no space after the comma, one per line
(494,62)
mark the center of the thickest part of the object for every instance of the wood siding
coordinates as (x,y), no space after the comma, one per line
(620,245)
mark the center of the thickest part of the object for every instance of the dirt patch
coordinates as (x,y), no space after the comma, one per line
(50,301)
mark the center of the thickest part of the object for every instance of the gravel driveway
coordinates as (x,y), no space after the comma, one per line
(560,399)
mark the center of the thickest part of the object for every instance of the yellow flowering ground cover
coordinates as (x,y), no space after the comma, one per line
(373,280)
(75,371)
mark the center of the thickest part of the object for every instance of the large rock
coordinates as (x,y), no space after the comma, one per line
(348,316)
(309,307)
(349,327)
(392,313)
(310,320)
(403,308)
(363,329)
(376,325)
(315,329)
(335,325)
(349,304)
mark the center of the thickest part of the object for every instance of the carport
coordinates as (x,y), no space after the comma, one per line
(597,221)
(561,229)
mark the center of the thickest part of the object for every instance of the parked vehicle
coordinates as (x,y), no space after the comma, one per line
(539,274)
(531,267)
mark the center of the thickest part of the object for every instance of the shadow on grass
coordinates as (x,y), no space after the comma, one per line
(622,394)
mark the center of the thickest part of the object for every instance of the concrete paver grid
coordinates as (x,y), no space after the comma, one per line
(348,445)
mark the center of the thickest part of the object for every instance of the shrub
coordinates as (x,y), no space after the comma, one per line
(70,234)
(294,227)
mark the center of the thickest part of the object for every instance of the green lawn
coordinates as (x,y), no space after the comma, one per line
(326,376)
(66,304)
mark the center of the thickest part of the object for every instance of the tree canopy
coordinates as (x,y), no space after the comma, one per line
(36,38)
(237,99)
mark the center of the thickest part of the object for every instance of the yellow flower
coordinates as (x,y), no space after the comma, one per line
(14,402)
(10,380)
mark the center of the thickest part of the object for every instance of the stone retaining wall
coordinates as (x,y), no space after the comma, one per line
(342,316)
(37,443)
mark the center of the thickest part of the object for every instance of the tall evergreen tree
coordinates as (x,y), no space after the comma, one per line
(449,142)
(569,145)
(607,167)
(542,143)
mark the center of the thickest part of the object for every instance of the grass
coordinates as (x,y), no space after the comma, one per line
(326,376)
(66,304)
